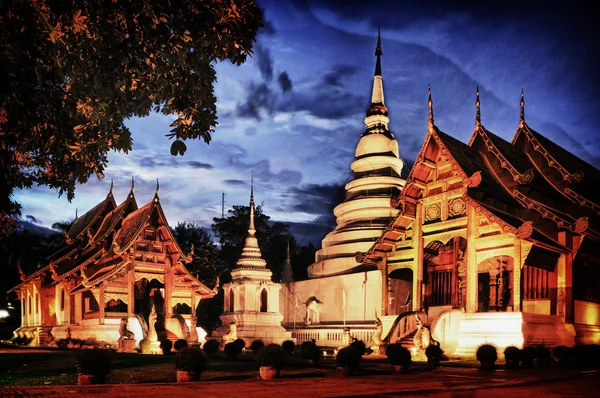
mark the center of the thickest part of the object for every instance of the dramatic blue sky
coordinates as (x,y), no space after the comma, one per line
(294,112)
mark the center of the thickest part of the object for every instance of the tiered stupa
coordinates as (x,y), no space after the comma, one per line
(366,210)
(252,299)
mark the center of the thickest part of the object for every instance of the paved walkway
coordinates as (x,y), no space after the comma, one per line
(442,382)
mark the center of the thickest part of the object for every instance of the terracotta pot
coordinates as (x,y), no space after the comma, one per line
(84,379)
(268,373)
(184,376)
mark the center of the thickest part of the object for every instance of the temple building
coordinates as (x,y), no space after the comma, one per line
(117,262)
(490,241)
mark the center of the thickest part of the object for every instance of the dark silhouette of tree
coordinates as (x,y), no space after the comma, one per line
(64,225)
(73,71)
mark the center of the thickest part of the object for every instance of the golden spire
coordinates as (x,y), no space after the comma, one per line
(156,192)
(430,104)
(132,186)
(478,110)
(251,255)
(522,119)
(251,227)
(111,187)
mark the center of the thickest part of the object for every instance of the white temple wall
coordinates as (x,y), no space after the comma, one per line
(361,302)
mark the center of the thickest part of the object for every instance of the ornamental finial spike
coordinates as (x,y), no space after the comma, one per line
(157,187)
(112,183)
(378,50)
(522,119)
(477,109)
(132,184)
(430,104)
(76,217)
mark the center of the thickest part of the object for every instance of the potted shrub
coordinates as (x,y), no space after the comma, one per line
(310,352)
(257,346)
(190,364)
(180,344)
(347,361)
(399,356)
(232,350)
(434,354)
(288,347)
(211,347)
(92,367)
(271,360)
(527,356)
(512,357)
(165,346)
(487,356)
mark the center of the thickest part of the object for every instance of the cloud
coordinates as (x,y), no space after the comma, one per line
(34,220)
(265,62)
(339,71)
(315,198)
(199,165)
(235,182)
(284,82)
(259,97)
(268,28)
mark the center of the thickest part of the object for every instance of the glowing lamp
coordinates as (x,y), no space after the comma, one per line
(3,314)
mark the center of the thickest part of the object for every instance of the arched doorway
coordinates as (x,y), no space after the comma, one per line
(263,300)
(495,284)
(444,273)
(400,283)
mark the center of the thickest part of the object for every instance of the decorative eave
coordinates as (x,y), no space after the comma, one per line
(582,201)
(109,199)
(552,162)
(506,227)
(113,223)
(521,178)
(84,264)
(92,280)
(579,226)
(202,289)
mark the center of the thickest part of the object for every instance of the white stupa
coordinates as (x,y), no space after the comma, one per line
(366,210)
(251,301)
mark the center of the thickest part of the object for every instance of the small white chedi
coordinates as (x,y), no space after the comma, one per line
(251,305)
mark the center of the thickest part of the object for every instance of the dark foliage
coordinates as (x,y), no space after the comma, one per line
(165,346)
(512,353)
(190,360)
(180,344)
(211,347)
(433,352)
(75,71)
(232,350)
(273,356)
(359,346)
(93,362)
(348,357)
(527,356)
(398,355)
(257,346)
(310,351)
(241,343)
(288,347)
(487,354)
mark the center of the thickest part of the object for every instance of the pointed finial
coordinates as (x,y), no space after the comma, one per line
(112,182)
(157,187)
(251,227)
(252,188)
(288,258)
(378,53)
(76,217)
(478,110)
(430,103)
(132,184)
(522,119)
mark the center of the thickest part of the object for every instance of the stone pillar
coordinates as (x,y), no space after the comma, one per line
(130,291)
(78,309)
(493,288)
(385,288)
(517,264)
(564,281)
(101,304)
(168,309)
(23,309)
(471,258)
(417,238)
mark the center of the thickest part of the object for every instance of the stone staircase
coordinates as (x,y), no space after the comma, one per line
(407,341)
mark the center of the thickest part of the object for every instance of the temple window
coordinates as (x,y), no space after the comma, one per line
(535,283)
(231,301)
(150,234)
(29,304)
(586,282)
(263,300)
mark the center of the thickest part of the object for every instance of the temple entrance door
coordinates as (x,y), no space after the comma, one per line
(146,294)
(483,292)
(400,291)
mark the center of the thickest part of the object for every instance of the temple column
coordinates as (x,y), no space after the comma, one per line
(130,291)
(517,264)
(101,304)
(169,287)
(472,221)
(418,259)
(564,281)
(78,309)
(23,301)
(385,288)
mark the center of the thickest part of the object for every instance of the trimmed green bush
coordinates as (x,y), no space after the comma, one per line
(542,355)
(165,346)
(348,357)
(434,354)
(561,354)
(232,350)
(180,344)
(93,362)
(398,355)
(257,346)
(211,347)
(310,352)
(240,343)
(273,356)
(360,346)
(190,360)
(487,356)
(288,347)
(512,357)
(527,356)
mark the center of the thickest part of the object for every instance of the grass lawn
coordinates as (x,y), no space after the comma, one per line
(57,366)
